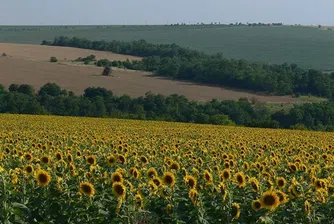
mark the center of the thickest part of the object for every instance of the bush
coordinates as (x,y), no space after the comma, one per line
(4,54)
(53,59)
(103,63)
(107,71)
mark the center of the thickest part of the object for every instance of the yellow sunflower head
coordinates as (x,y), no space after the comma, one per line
(119,190)
(168,179)
(307,207)
(225,174)
(190,181)
(269,200)
(235,212)
(43,178)
(117,177)
(111,160)
(157,181)
(28,157)
(281,182)
(91,160)
(208,177)
(240,179)
(152,172)
(45,159)
(256,205)
(254,183)
(193,195)
(87,189)
(28,169)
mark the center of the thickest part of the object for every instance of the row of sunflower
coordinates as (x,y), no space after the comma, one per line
(86,170)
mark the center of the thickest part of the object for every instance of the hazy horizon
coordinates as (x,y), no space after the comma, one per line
(130,12)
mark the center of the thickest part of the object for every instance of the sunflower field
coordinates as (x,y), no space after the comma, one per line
(89,170)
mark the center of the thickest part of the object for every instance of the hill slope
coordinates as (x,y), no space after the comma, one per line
(28,64)
(306,46)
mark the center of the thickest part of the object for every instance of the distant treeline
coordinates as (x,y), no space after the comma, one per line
(99,102)
(181,63)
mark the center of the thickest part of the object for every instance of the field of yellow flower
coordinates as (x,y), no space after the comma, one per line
(87,170)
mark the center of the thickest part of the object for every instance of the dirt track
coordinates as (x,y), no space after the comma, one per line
(134,83)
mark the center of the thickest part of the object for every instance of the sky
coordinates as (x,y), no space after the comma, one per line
(127,12)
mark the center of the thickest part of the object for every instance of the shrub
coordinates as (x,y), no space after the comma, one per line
(4,54)
(53,59)
(107,71)
(103,63)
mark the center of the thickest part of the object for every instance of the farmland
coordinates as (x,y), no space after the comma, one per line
(308,47)
(74,170)
(28,64)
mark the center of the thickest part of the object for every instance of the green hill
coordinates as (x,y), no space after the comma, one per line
(306,46)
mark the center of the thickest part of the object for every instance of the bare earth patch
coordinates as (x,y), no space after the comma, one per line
(134,83)
(43,53)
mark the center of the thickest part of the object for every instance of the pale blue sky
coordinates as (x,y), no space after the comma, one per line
(61,12)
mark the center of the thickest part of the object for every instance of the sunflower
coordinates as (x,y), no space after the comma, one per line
(190,181)
(152,172)
(78,153)
(119,190)
(169,208)
(307,207)
(235,210)
(69,157)
(138,200)
(175,165)
(111,160)
(293,167)
(28,157)
(246,166)
(87,189)
(28,169)
(193,195)
(15,179)
(59,156)
(283,198)
(157,181)
(121,159)
(43,178)
(208,177)
(281,182)
(256,205)
(153,187)
(144,160)
(116,177)
(91,160)
(254,183)
(45,159)
(319,183)
(223,190)
(296,190)
(135,173)
(225,174)
(269,200)
(240,179)
(168,179)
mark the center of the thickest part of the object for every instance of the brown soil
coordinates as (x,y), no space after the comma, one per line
(43,53)
(17,69)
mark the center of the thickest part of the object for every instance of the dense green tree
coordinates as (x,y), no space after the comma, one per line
(50,89)
(99,102)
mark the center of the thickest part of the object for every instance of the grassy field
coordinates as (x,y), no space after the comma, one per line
(308,47)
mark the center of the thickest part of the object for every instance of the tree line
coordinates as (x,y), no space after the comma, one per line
(180,63)
(99,102)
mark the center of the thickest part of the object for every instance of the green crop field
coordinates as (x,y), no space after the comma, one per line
(306,46)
